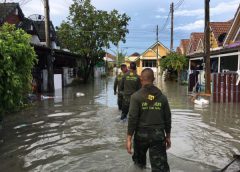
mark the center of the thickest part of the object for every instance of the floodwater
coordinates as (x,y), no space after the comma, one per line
(84,134)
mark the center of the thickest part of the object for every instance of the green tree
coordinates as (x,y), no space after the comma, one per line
(174,61)
(17,59)
(120,57)
(88,31)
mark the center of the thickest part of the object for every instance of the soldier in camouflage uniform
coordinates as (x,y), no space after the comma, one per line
(150,123)
(117,84)
(129,85)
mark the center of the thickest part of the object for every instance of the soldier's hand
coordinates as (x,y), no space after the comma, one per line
(168,143)
(129,145)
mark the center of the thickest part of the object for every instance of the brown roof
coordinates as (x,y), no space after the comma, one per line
(7,9)
(220,30)
(135,54)
(110,56)
(178,50)
(193,43)
(184,45)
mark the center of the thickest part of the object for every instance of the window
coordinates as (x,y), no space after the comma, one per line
(149,63)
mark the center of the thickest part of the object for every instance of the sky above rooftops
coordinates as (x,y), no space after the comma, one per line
(145,16)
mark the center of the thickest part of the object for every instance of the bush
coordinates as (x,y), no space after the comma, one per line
(17,59)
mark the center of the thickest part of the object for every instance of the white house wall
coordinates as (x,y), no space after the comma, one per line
(35,40)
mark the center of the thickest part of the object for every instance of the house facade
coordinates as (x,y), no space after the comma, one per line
(224,48)
(63,61)
(182,49)
(135,57)
(152,56)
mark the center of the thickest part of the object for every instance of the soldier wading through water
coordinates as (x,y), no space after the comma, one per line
(129,85)
(117,84)
(150,123)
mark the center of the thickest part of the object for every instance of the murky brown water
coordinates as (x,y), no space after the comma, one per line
(84,134)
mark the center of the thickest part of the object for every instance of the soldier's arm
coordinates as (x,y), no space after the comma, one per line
(133,115)
(115,85)
(168,118)
(122,84)
(139,83)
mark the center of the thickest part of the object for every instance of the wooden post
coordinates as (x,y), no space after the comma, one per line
(207,48)
(224,87)
(215,87)
(234,88)
(229,88)
(172,11)
(219,88)
(48,44)
(238,92)
(157,64)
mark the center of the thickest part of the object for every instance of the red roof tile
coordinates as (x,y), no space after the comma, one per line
(184,45)
(178,50)
(220,29)
(135,54)
(194,39)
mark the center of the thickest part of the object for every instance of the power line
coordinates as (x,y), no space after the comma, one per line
(166,22)
(178,5)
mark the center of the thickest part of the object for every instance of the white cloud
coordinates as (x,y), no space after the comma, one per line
(199,24)
(57,8)
(144,26)
(197,12)
(161,10)
(224,7)
(221,8)
(160,17)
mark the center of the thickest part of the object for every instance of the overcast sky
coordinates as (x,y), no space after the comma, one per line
(145,16)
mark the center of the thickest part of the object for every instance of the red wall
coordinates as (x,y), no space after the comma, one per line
(13,19)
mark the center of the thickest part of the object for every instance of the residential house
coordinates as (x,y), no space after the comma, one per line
(233,36)
(133,58)
(152,56)
(218,32)
(10,13)
(63,61)
(29,26)
(182,49)
(40,27)
(193,42)
(225,47)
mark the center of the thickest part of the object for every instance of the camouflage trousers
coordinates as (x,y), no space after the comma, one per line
(120,101)
(125,104)
(154,141)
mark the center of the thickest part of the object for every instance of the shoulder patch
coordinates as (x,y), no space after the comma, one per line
(150,97)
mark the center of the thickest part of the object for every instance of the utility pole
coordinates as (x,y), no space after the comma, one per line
(48,44)
(172,11)
(117,58)
(207,48)
(157,55)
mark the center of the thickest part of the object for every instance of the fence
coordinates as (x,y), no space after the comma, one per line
(225,88)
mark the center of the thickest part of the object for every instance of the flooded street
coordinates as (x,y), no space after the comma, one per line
(85,134)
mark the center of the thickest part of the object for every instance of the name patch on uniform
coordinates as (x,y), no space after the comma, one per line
(131,78)
(155,106)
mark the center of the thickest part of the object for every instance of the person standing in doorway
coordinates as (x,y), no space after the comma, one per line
(130,84)
(150,123)
(117,84)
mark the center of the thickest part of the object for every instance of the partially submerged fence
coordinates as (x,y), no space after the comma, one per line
(225,88)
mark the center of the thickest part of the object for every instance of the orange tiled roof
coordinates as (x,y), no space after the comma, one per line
(194,39)
(184,45)
(219,29)
(178,50)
